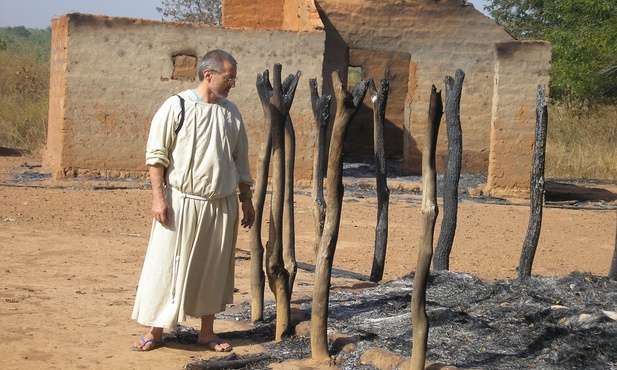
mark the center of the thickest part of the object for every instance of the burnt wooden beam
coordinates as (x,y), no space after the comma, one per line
(536,188)
(347,105)
(454,88)
(380,99)
(429,211)
(321,113)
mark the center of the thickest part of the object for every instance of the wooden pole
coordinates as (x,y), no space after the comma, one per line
(289,241)
(429,212)
(537,188)
(380,99)
(612,274)
(264,90)
(321,113)
(279,97)
(347,107)
(454,87)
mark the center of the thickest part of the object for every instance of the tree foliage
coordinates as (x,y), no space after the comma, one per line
(21,40)
(193,11)
(584,38)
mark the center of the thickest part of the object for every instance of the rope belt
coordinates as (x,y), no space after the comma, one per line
(176,263)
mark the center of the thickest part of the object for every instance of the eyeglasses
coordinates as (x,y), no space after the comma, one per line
(229,79)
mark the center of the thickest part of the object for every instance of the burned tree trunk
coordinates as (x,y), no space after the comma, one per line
(264,90)
(321,112)
(612,274)
(289,242)
(454,88)
(380,98)
(347,107)
(419,319)
(280,100)
(537,188)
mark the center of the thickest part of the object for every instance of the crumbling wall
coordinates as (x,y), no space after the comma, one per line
(360,134)
(110,75)
(288,15)
(440,38)
(514,119)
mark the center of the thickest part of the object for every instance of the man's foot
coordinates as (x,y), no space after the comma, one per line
(216,345)
(147,343)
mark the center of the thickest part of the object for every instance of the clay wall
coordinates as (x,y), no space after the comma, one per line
(288,15)
(416,44)
(440,37)
(110,75)
(514,119)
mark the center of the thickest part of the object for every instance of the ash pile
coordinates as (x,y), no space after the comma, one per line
(542,323)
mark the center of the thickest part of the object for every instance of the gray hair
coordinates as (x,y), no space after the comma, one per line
(214,60)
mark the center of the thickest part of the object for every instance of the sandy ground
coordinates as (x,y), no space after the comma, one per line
(71,254)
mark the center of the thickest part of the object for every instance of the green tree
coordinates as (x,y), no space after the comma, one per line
(584,38)
(20,40)
(193,11)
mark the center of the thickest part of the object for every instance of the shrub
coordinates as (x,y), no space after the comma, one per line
(24,88)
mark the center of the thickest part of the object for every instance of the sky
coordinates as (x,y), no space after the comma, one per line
(39,13)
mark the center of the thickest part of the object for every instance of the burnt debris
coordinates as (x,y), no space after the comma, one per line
(541,323)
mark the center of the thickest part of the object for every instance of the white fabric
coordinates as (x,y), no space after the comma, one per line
(189,265)
(209,155)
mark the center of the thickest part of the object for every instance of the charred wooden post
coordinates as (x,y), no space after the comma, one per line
(278,276)
(279,99)
(612,274)
(537,188)
(264,90)
(454,87)
(347,105)
(289,241)
(419,319)
(380,99)
(321,112)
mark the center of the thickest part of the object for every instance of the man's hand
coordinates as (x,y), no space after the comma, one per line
(160,210)
(160,207)
(248,214)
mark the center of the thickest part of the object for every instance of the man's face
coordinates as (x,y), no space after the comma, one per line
(223,81)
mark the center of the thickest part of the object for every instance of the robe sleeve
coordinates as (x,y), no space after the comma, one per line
(241,151)
(161,137)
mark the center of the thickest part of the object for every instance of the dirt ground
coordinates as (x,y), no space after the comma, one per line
(71,253)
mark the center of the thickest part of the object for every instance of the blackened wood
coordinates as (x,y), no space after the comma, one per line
(336,272)
(454,88)
(280,100)
(429,212)
(347,106)
(289,241)
(612,274)
(232,361)
(321,113)
(264,90)
(536,188)
(380,100)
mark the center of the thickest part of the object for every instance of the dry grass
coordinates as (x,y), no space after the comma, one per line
(582,145)
(24,88)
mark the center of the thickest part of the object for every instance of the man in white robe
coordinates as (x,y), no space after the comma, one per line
(195,171)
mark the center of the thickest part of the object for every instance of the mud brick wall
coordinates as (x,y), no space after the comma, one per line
(514,119)
(440,38)
(288,15)
(110,75)
(415,44)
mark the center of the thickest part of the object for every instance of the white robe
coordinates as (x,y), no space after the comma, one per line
(191,272)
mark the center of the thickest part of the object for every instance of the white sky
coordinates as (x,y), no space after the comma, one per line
(39,13)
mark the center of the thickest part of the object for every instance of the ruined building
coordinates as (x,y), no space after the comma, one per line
(109,75)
